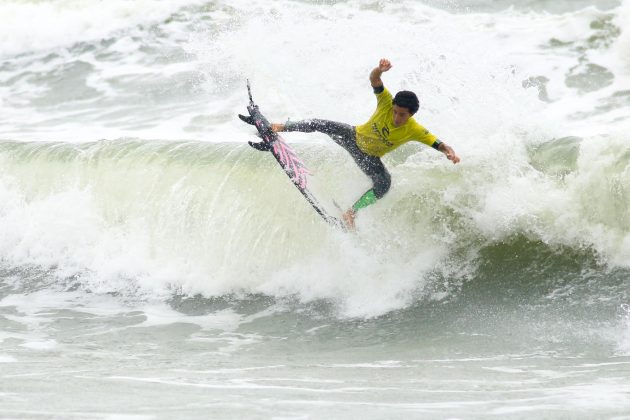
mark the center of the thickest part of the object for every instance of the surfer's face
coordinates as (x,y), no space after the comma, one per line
(401,115)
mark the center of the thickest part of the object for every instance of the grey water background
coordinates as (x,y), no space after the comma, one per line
(152,265)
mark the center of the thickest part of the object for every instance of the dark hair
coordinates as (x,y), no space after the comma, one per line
(407,99)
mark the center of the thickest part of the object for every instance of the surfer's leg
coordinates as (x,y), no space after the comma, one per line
(332,128)
(381,181)
(372,166)
(342,134)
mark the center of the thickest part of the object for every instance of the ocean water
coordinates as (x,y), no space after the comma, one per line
(154,266)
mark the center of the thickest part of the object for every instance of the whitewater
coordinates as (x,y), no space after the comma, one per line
(153,265)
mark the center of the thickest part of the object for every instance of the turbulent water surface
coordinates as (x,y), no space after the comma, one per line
(154,266)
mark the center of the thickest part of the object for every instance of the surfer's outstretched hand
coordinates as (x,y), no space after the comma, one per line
(449,152)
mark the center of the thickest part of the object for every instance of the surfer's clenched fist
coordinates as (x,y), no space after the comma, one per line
(375,75)
(384,65)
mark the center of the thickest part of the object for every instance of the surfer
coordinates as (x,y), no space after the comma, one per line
(391,125)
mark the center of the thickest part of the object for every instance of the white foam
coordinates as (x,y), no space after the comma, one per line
(161,314)
(40,345)
(365,281)
(624,337)
(623,44)
(7,359)
(31,26)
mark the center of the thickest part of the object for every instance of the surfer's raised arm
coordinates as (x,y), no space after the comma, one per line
(375,75)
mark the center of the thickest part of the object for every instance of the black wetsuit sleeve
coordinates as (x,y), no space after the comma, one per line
(378,89)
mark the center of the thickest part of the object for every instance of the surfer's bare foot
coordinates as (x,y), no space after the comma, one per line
(276,128)
(348,218)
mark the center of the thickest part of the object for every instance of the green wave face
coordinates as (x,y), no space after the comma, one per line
(219,219)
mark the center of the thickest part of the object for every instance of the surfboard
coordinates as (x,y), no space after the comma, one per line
(286,157)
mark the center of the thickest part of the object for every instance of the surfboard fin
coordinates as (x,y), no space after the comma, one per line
(263,146)
(247,119)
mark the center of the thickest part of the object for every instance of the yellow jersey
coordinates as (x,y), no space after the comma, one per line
(379,136)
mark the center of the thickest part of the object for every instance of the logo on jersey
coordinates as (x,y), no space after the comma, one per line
(382,134)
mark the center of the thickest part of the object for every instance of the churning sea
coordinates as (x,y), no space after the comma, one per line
(153,266)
